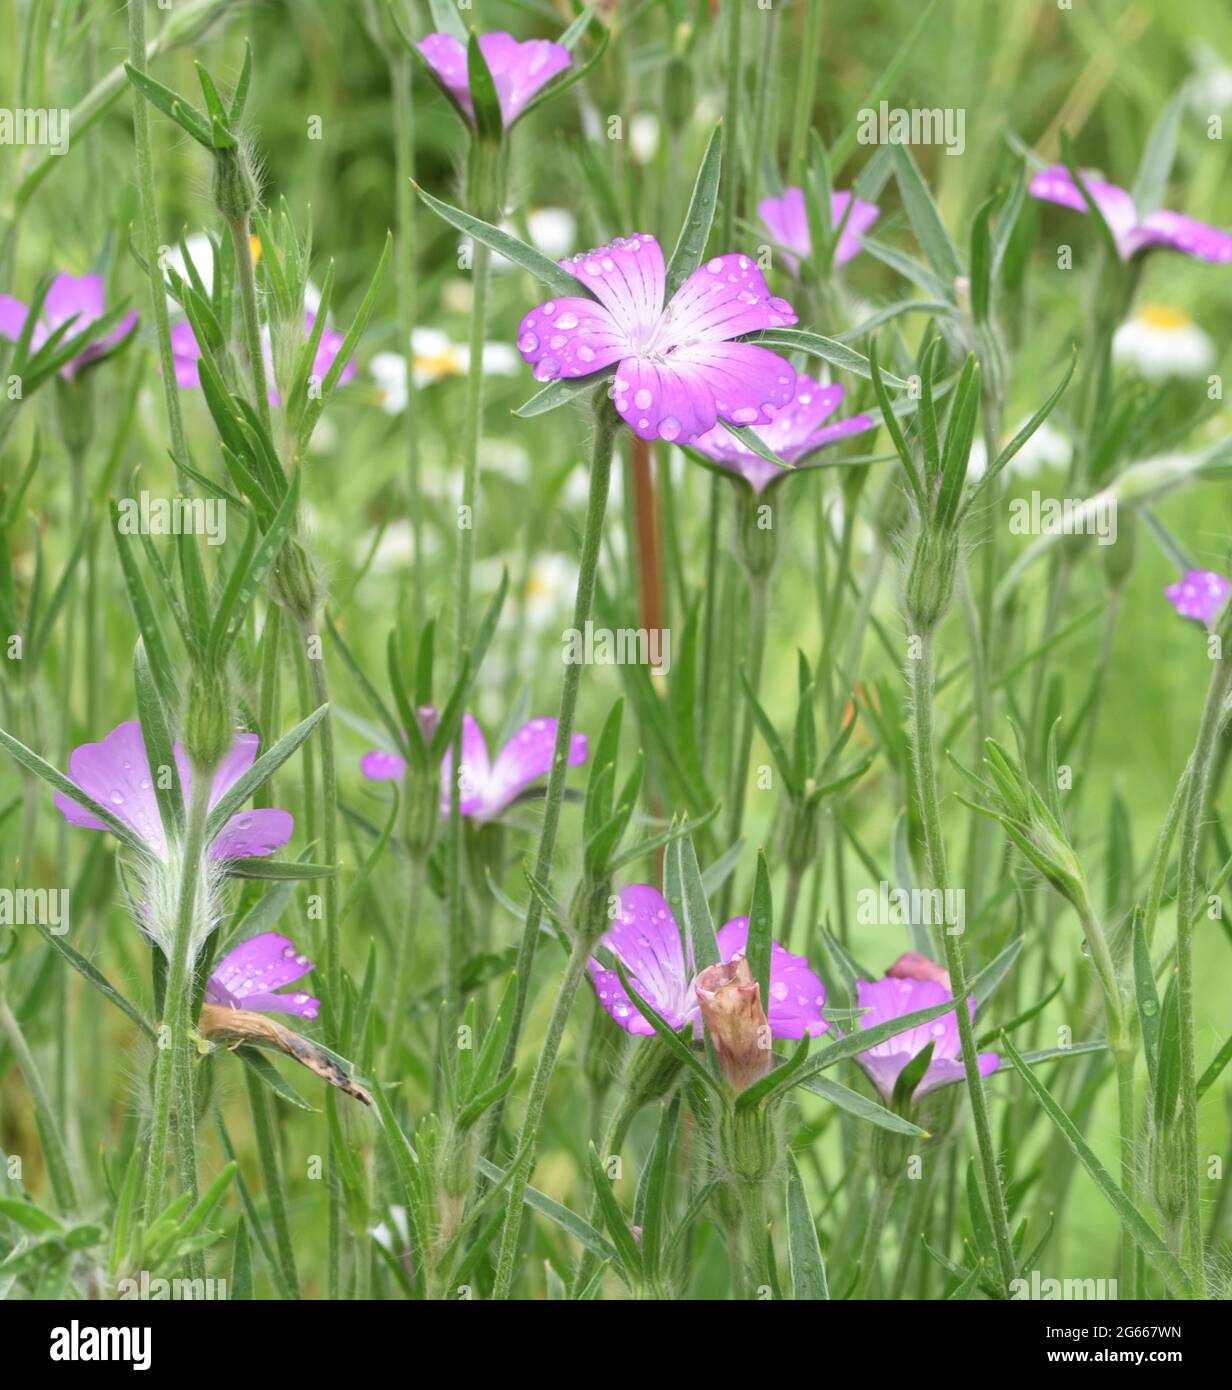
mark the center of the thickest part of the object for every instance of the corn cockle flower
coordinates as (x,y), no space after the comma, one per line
(76,298)
(487,788)
(795,431)
(646,940)
(1199,594)
(786,220)
(186,352)
(680,371)
(249,973)
(518,70)
(1168,230)
(116,774)
(914,982)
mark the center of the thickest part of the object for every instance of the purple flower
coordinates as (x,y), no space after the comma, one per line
(1199,594)
(249,973)
(186,352)
(912,983)
(646,940)
(795,431)
(680,372)
(518,70)
(70,297)
(488,788)
(1133,234)
(116,774)
(786,220)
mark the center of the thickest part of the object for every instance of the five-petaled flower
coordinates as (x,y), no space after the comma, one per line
(487,788)
(247,976)
(1170,230)
(912,983)
(795,431)
(680,371)
(786,220)
(116,774)
(518,70)
(647,942)
(70,297)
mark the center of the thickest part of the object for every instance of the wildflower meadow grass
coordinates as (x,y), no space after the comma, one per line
(613,674)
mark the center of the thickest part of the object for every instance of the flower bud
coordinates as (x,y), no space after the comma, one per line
(209,728)
(930,578)
(235,184)
(731,1008)
(297,582)
(756,541)
(913,966)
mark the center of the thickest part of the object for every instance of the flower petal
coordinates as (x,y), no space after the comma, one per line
(1055,185)
(475,774)
(786,220)
(519,70)
(891,998)
(1176,232)
(686,395)
(253,969)
(646,939)
(13,315)
(116,773)
(379,766)
(797,995)
(863,215)
(71,296)
(187,354)
(526,757)
(570,337)
(723,298)
(253,834)
(629,278)
(447,59)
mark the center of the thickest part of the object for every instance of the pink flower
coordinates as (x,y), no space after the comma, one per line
(1199,594)
(786,220)
(70,297)
(518,70)
(249,973)
(680,369)
(1132,234)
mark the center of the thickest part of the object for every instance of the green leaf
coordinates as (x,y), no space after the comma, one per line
(170,103)
(569,1222)
(686,896)
(854,1103)
(1147,1240)
(924,218)
(559,281)
(561,392)
(669,1035)
(808,1269)
(628,1252)
(761,927)
(489,124)
(829,350)
(259,773)
(1146,996)
(88,971)
(1151,180)
(159,750)
(699,217)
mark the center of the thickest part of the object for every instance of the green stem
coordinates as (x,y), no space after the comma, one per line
(149,237)
(600,476)
(872,1237)
(1186,910)
(1129,1174)
(484,196)
(171,1072)
(267,1149)
(810,66)
(759,593)
(245,278)
(755,1247)
(55,1155)
(920,678)
(403,958)
(525,1159)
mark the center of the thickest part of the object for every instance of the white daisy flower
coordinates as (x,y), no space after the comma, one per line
(1160,342)
(433,358)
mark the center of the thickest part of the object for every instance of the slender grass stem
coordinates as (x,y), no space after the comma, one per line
(148,206)
(55,1155)
(920,679)
(254,351)
(267,1150)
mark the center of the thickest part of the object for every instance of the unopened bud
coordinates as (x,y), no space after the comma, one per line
(730,1001)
